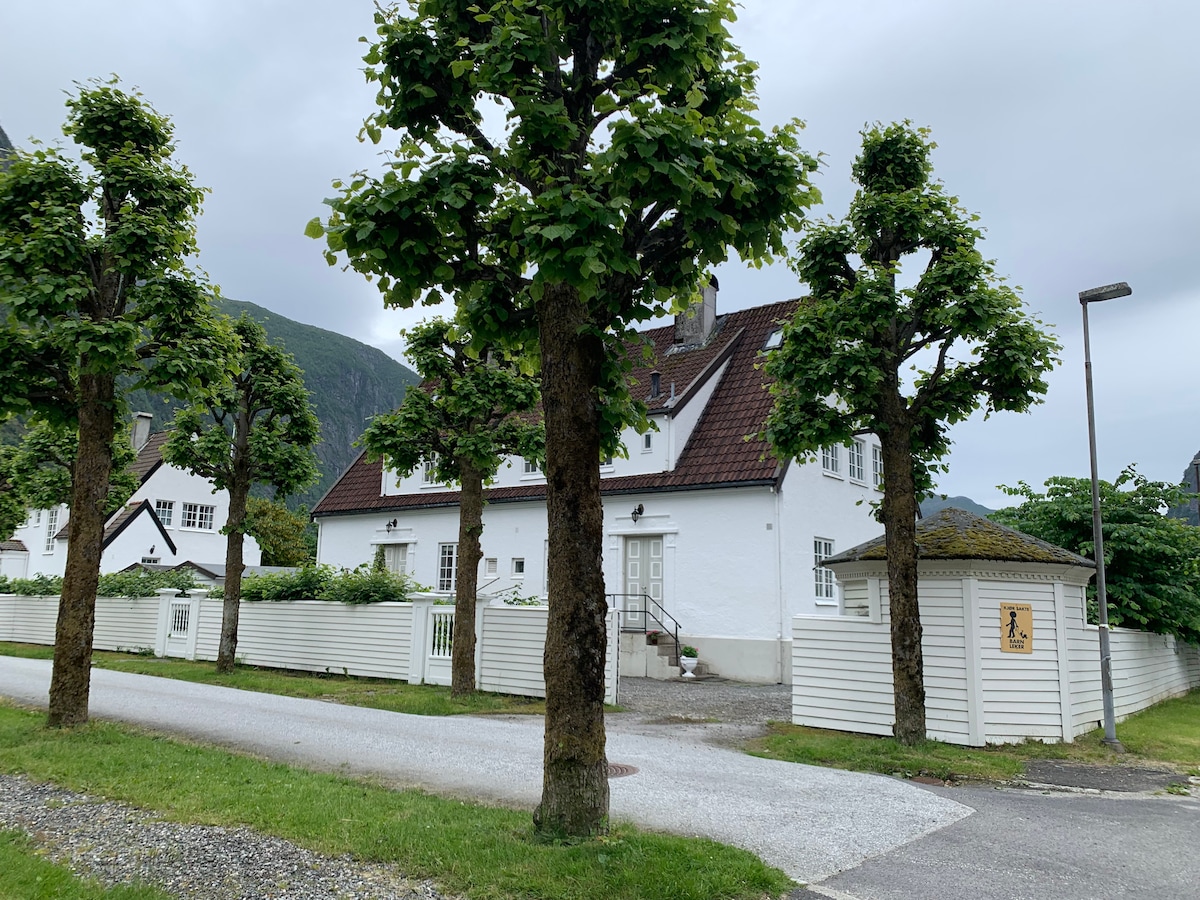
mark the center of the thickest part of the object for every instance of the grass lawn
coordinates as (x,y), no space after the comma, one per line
(1168,733)
(478,851)
(29,877)
(376,693)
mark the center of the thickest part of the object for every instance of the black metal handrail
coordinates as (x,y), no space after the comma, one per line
(651,611)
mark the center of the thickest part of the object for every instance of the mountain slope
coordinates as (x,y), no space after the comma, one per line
(349,382)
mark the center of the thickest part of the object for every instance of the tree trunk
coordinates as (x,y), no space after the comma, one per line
(466,580)
(234,564)
(575,771)
(899,522)
(70,681)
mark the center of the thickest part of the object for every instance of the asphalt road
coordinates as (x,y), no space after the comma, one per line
(850,836)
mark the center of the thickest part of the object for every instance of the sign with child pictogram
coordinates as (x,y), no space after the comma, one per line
(1016,628)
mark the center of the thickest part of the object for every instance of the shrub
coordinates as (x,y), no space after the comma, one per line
(321,582)
(143,583)
(37,586)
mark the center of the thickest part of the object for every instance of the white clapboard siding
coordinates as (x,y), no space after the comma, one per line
(371,640)
(1022,696)
(124,623)
(28,620)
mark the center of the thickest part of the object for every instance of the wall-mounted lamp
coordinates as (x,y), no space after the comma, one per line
(151,553)
(390,525)
(637,512)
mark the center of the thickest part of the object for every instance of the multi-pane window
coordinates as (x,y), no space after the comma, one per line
(51,528)
(165,510)
(198,515)
(429,471)
(447,566)
(877,465)
(854,461)
(395,557)
(823,582)
(831,460)
(531,468)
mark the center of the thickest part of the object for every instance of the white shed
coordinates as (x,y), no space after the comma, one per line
(1007,650)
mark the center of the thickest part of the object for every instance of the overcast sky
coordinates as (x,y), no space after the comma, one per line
(1069,127)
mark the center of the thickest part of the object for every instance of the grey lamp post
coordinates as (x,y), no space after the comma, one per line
(1095,295)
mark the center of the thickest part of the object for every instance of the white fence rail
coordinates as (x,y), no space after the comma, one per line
(409,641)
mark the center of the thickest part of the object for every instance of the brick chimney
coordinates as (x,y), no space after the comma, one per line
(140,432)
(695,324)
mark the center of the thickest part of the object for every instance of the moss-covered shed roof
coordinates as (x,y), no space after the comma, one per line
(957,534)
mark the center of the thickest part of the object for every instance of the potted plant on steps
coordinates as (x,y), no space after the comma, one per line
(689,656)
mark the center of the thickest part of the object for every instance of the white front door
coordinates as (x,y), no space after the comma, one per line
(643,578)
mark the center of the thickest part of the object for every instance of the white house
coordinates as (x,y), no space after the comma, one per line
(172,517)
(703,524)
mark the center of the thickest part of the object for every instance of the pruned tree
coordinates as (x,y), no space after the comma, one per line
(259,428)
(94,287)
(630,164)
(473,408)
(1151,561)
(843,366)
(281,533)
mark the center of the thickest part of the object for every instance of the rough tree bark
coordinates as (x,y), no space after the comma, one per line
(575,770)
(900,528)
(466,586)
(70,681)
(239,491)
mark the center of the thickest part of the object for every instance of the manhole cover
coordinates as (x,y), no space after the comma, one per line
(620,770)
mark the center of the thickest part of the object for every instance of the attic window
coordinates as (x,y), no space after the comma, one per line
(150,560)
(774,339)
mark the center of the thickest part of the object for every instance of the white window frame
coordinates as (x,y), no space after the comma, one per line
(855,466)
(491,567)
(447,571)
(51,529)
(197,516)
(428,473)
(165,510)
(877,466)
(648,442)
(831,461)
(518,568)
(824,584)
(531,468)
(774,340)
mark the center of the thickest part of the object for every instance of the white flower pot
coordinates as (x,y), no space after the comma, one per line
(689,664)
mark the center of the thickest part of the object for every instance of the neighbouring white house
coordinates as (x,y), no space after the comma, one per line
(703,525)
(172,517)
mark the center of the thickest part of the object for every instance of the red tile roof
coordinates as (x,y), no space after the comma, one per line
(718,453)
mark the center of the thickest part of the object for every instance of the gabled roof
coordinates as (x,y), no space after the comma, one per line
(126,516)
(14,546)
(957,534)
(149,458)
(723,450)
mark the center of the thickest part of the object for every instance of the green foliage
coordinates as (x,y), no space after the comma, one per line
(39,467)
(1151,562)
(631,164)
(838,371)
(37,586)
(258,428)
(473,409)
(689,650)
(144,583)
(320,582)
(281,534)
(379,562)
(93,277)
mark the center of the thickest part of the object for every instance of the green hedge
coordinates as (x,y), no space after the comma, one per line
(137,583)
(320,582)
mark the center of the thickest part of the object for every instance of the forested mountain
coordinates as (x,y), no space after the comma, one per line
(936,503)
(349,381)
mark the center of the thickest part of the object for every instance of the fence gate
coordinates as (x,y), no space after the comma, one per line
(178,619)
(440,646)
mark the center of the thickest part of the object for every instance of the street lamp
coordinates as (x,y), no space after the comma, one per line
(1095,295)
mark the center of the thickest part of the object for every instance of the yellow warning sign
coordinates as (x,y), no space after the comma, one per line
(1016,628)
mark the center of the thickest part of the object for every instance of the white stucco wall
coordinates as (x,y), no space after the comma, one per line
(737,561)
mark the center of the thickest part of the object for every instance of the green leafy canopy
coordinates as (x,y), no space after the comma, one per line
(1151,561)
(840,370)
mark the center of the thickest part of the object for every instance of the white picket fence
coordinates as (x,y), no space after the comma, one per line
(408,641)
